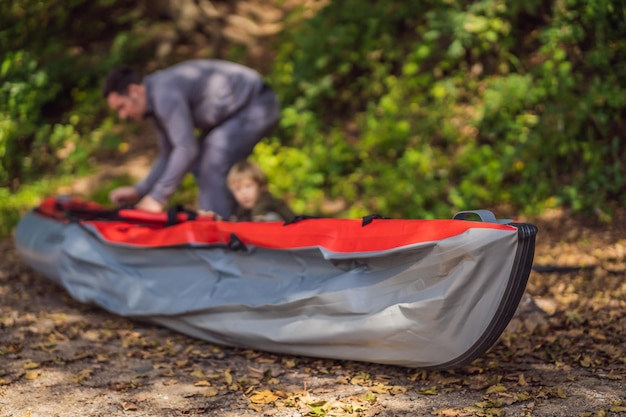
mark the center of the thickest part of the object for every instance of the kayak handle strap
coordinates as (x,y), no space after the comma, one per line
(485,216)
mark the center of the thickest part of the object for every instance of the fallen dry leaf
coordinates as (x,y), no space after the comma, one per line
(263,397)
(198,373)
(203,383)
(31,365)
(228,377)
(32,374)
(128,406)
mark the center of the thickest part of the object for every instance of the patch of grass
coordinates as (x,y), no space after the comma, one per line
(14,205)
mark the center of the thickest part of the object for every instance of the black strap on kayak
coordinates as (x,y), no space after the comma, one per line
(235,244)
(370,218)
(299,218)
(172,215)
(76,214)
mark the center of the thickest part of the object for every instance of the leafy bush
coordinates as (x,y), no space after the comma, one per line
(406,109)
(422,109)
(52,82)
(51,72)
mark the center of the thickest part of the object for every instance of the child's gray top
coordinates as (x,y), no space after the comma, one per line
(197,94)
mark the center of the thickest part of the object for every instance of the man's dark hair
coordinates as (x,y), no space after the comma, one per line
(118,80)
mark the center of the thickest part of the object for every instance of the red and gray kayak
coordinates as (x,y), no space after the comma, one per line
(418,293)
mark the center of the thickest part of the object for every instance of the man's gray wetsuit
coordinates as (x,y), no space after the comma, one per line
(209,114)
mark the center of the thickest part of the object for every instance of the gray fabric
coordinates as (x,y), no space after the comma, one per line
(227,102)
(419,306)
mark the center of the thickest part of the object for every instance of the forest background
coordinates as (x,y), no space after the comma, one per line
(402,108)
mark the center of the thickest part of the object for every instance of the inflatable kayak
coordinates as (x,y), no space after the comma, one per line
(418,293)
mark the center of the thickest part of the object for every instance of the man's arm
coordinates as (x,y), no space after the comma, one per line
(182,145)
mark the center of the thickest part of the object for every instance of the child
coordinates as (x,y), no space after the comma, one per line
(248,184)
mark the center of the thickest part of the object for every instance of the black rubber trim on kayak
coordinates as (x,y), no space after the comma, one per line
(509,303)
(172,215)
(370,218)
(235,244)
(299,218)
(76,214)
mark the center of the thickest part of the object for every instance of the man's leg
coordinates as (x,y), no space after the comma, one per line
(228,143)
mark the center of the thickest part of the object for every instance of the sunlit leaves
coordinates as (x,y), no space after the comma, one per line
(361,86)
(526,94)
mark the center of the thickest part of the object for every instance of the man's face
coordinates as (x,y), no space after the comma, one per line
(129,106)
(246,191)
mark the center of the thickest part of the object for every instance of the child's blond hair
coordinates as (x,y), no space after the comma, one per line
(246,169)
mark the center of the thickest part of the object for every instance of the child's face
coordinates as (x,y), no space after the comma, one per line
(246,191)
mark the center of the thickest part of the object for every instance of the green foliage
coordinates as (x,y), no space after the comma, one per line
(402,108)
(417,109)
(14,205)
(27,90)
(51,107)
(291,175)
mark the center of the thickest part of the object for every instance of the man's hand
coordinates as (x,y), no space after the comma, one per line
(209,213)
(148,203)
(123,195)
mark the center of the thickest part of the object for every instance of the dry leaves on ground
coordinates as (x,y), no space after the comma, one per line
(563,354)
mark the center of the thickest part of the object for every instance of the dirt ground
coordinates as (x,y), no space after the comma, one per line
(563,354)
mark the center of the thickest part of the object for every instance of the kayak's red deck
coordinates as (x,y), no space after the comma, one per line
(143,229)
